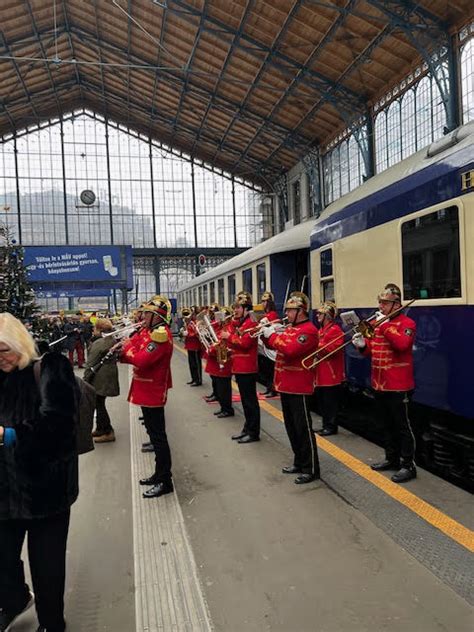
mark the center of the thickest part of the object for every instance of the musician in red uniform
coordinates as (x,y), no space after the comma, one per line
(243,348)
(192,345)
(330,371)
(266,365)
(296,384)
(219,367)
(212,310)
(391,351)
(150,354)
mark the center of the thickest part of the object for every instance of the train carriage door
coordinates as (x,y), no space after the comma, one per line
(301,275)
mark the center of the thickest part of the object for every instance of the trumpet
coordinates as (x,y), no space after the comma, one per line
(364,327)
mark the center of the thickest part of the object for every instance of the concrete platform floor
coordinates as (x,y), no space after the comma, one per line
(270,555)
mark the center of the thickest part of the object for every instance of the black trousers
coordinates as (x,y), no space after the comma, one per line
(103,420)
(154,421)
(195,366)
(299,426)
(247,383)
(266,371)
(328,398)
(392,409)
(47,538)
(213,382)
(223,391)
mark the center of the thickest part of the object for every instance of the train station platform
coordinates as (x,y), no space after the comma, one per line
(238,547)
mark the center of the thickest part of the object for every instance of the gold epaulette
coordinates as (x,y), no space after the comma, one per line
(159,335)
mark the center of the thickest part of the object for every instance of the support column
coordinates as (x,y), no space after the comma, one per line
(152,193)
(17,182)
(194,204)
(156,269)
(111,218)
(63,162)
(454,84)
(234,214)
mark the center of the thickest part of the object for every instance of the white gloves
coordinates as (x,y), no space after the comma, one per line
(358,341)
(378,316)
(263,321)
(279,327)
(268,331)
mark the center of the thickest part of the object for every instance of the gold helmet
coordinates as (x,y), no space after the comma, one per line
(390,293)
(214,307)
(267,296)
(186,312)
(329,309)
(244,299)
(226,310)
(160,306)
(298,300)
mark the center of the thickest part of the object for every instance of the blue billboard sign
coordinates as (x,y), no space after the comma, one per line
(88,267)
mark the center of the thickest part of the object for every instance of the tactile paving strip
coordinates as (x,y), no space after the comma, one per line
(168,595)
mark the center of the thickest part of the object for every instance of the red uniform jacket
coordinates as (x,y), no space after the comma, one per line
(292,345)
(244,348)
(151,368)
(272,315)
(392,354)
(212,365)
(191,341)
(330,372)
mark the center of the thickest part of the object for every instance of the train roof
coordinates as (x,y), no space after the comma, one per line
(389,194)
(296,238)
(300,236)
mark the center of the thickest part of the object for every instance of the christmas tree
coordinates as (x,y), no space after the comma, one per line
(16,293)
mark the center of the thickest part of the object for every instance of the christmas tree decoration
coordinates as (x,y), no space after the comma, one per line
(16,294)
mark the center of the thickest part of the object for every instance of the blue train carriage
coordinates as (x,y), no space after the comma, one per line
(413,225)
(280,263)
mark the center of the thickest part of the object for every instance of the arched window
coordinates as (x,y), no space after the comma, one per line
(394,153)
(381,161)
(467,80)
(408,124)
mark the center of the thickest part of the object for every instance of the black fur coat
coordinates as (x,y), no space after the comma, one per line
(39,476)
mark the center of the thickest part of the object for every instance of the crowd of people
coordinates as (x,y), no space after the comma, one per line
(40,401)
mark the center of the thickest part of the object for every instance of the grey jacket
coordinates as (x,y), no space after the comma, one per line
(105,381)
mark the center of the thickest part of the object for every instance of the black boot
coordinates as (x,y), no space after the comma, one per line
(406,473)
(160,489)
(386,464)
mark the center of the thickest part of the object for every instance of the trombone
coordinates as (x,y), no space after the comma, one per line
(364,327)
(257,331)
(124,332)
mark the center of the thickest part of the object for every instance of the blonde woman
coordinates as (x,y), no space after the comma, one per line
(103,375)
(38,475)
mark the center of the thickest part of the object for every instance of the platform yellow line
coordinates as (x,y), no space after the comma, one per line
(453,529)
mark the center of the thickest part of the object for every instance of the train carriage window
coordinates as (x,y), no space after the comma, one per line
(326,263)
(431,255)
(327,274)
(261,279)
(231,287)
(247,280)
(220,292)
(212,292)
